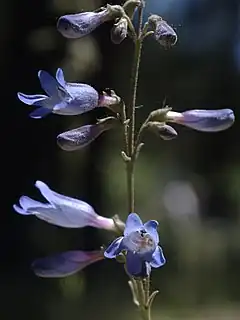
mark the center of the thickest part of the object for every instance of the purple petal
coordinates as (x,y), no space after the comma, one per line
(49,84)
(60,77)
(31,99)
(208,120)
(40,113)
(114,248)
(133,223)
(151,228)
(65,264)
(136,266)
(72,212)
(158,259)
(20,210)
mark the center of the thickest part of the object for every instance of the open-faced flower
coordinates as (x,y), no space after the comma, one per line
(64,98)
(79,138)
(81,24)
(140,241)
(62,211)
(203,120)
(163,32)
(65,263)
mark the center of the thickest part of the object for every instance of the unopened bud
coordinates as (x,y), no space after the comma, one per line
(163,32)
(119,31)
(163,130)
(81,137)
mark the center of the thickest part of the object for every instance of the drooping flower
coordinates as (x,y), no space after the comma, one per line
(62,211)
(163,32)
(203,120)
(140,241)
(65,263)
(162,130)
(81,137)
(81,24)
(64,98)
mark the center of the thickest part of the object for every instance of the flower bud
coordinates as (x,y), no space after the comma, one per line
(119,31)
(163,130)
(80,137)
(81,24)
(159,115)
(204,120)
(163,32)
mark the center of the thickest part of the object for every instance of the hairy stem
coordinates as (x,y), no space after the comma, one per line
(131,111)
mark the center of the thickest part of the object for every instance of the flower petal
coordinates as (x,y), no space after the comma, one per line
(133,223)
(65,264)
(151,228)
(60,77)
(40,113)
(114,248)
(74,212)
(207,120)
(136,266)
(158,259)
(49,84)
(31,99)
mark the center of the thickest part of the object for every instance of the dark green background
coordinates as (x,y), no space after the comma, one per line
(201,278)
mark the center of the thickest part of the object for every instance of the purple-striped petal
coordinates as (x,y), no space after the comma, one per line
(65,264)
(114,249)
(133,223)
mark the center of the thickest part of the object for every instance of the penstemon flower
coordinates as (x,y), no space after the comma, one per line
(138,248)
(140,241)
(65,263)
(81,24)
(163,32)
(62,211)
(64,98)
(203,120)
(79,138)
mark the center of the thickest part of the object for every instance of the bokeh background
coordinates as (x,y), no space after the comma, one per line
(191,184)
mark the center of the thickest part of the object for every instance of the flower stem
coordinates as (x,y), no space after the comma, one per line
(131,111)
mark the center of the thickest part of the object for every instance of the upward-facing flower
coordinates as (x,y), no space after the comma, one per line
(140,241)
(64,98)
(62,211)
(65,263)
(81,24)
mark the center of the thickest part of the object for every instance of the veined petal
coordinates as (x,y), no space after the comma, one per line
(31,99)
(136,266)
(76,212)
(60,77)
(133,223)
(114,248)
(158,259)
(65,264)
(151,228)
(207,120)
(48,83)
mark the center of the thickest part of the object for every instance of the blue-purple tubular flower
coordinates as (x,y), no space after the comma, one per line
(163,32)
(79,138)
(141,244)
(204,120)
(65,263)
(63,98)
(81,24)
(62,211)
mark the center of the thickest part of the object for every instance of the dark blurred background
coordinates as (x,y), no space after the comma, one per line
(191,184)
